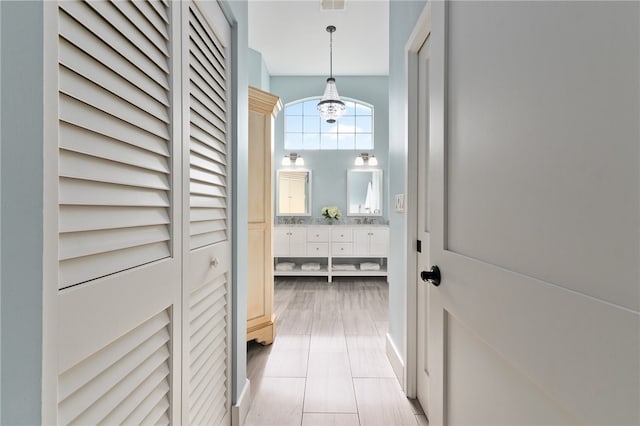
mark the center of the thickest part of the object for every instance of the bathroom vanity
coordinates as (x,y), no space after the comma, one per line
(331,250)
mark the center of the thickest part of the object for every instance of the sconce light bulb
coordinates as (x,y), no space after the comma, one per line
(373,161)
(286,161)
(299,161)
(359,161)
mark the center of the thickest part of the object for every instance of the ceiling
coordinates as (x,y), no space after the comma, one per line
(292,37)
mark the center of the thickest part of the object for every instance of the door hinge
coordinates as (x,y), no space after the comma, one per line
(419,246)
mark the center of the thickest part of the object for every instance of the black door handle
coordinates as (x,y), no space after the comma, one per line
(432,276)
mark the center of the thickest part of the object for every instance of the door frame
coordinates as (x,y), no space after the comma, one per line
(419,35)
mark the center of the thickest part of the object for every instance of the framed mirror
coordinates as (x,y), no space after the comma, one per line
(364,192)
(293,193)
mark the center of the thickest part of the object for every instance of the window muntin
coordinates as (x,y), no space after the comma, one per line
(305,130)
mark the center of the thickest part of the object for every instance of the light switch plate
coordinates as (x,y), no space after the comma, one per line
(399,206)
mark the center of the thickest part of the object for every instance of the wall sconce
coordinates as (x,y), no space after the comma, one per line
(363,158)
(293,159)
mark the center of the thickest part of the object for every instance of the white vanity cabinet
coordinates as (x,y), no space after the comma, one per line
(290,241)
(339,250)
(371,242)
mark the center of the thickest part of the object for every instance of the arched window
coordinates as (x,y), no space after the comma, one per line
(304,129)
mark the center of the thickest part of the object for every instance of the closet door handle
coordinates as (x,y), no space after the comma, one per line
(432,276)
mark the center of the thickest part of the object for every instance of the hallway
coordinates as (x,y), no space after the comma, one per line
(328,364)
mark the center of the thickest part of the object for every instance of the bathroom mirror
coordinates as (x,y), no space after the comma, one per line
(364,192)
(293,193)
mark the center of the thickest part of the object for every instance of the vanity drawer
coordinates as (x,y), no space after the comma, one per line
(318,235)
(341,249)
(341,235)
(317,249)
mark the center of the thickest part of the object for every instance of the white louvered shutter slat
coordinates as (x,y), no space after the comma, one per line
(75,34)
(84,65)
(198,83)
(82,115)
(133,13)
(157,17)
(87,218)
(83,372)
(207,132)
(152,382)
(94,23)
(115,136)
(209,100)
(85,167)
(88,92)
(82,141)
(208,354)
(120,377)
(134,31)
(148,405)
(79,192)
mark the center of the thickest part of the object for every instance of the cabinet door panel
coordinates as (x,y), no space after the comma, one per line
(378,242)
(297,242)
(361,242)
(281,242)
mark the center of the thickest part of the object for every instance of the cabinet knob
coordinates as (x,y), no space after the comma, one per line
(214,262)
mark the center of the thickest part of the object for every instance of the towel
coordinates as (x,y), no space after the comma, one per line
(369,266)
(285,266)
(343,267)
(310,267)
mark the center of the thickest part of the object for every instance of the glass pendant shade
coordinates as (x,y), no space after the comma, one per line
(330,106)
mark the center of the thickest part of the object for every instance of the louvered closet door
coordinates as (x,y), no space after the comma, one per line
(206,91)
(119,260)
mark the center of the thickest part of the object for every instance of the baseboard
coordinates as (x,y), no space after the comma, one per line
(395,359)
(241,408)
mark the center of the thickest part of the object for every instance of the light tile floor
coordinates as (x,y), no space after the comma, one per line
(328,364)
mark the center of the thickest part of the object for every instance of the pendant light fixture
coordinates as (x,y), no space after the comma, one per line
(330,106)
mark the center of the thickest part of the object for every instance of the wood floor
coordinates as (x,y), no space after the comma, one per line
(328,365)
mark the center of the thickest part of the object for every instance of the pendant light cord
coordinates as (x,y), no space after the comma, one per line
(330,30)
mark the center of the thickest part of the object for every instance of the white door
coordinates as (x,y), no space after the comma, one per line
(534,202)
(206,237)
(422,74)
(117,201)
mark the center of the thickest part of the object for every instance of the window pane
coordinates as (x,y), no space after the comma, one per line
(364,141)
(293,124)
(347,124)
(305,130)
(350,108)
(311,141)
(329,127)
(362,110)
(311,107)
(363,124)
(293,141)
(346,141)
(312,124)
(328,141)
(293,109)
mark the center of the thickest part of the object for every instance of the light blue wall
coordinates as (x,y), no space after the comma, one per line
(237,13)
(258,73)
(21,180)
(329,168)
(402,18)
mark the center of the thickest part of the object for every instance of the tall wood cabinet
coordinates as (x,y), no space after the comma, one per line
(263,108)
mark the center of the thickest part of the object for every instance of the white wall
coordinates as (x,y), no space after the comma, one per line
(402,18)
(21,192)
